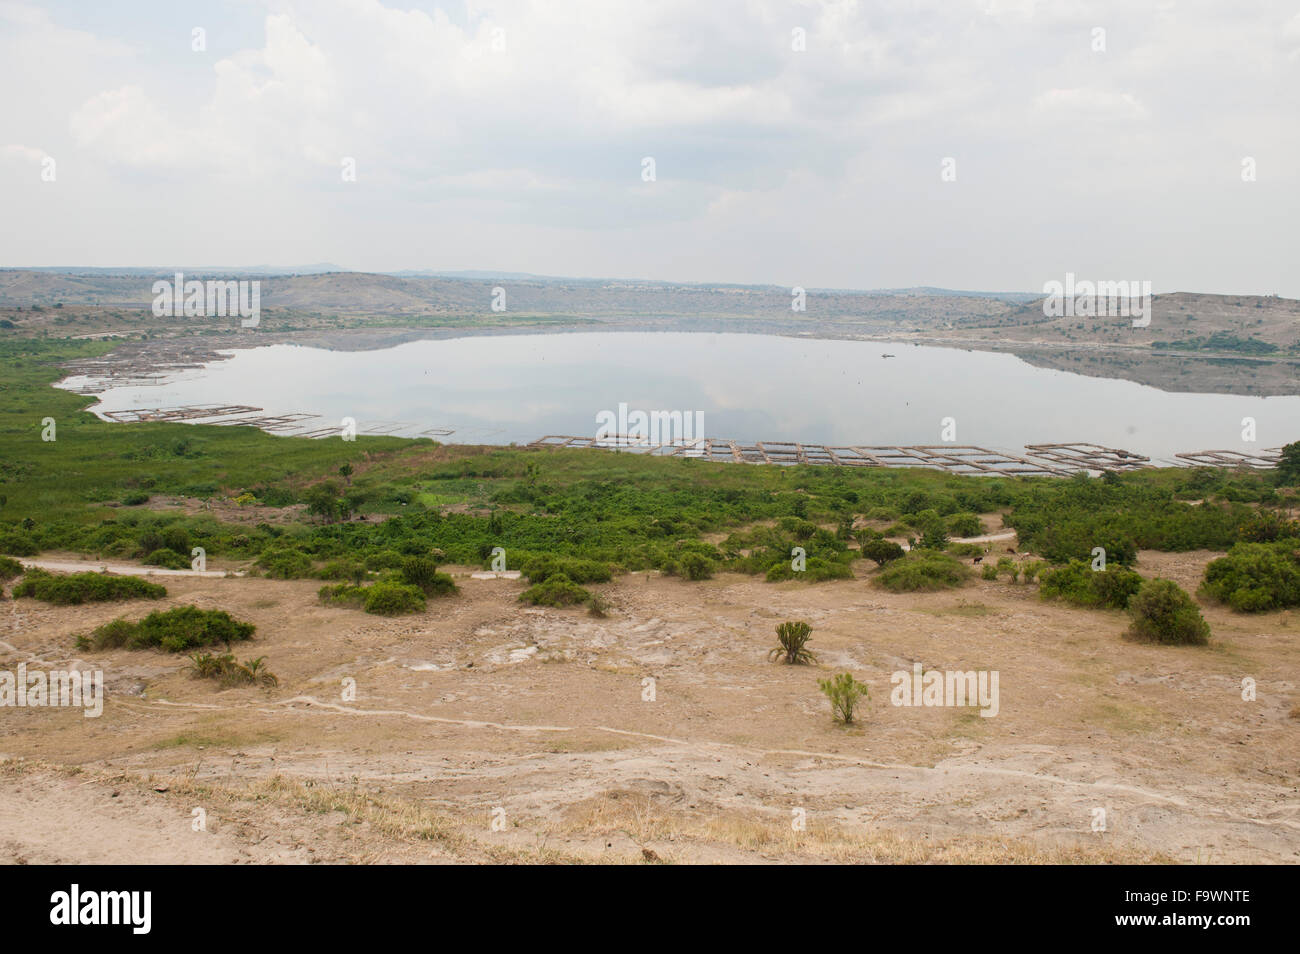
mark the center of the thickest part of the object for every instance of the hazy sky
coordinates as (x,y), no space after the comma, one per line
(819,167)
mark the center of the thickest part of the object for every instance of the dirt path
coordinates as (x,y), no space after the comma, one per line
(483,706)
(122,569)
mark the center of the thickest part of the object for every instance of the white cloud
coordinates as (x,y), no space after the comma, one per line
(1090,103)
(819,165)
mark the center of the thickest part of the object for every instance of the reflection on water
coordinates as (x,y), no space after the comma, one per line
(749,387)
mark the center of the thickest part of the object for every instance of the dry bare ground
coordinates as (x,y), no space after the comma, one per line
(482,709)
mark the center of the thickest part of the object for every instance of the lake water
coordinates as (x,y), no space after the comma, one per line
(500,389)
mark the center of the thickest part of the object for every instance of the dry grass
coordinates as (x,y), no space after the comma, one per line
(650,827)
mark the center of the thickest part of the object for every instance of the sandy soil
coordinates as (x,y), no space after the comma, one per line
(484,730)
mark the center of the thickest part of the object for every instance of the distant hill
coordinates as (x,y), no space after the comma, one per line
(361,294)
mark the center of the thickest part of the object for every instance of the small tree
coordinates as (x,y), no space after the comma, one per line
(1164,613)
(1288,466)
(882,551)
(865,536)
(793,637)
(346,473)
(844,692)
(323,501)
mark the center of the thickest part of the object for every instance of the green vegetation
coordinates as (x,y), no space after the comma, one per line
(585,515)
(1219,341)
(1163,613)
(1078,583)
(9,568)
(541,567)
(793,639)
(1288,468)
(342,594)
(1256,576)
(85,588)
(557,590)
(224,669)
(883,551)
(422,573)
(390,598)
(844,692)
(922,571)
(175,630)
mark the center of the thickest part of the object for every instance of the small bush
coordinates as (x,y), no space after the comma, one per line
(1254,577)
(1078,583)
(231,673)
(342,594)
(793,639)
(558,590)
(422,572)
(135,499)
(285,564)
(175,630)
(387,598)
(965,525)
(349,570)
(694,566)
(598,606)
(844,692)
(18,543)
(539,569)
(85,588)
(923,571)
(168,559)
(989,572)
(1164,613)
(883,551)
(9,568)
(816,570)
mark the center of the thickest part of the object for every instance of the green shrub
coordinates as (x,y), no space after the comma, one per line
(989,572)
(388,598)
(9,568)
(1079,584)
(175,630)
(1163,612)
(18,543)
(965,525)
(176,539)
(883,551)
(285,564)
(1254,577)
(694,566)
(349,570)
(540,568)
(1288,466)
(135,499)
(922,571)
(342,594)
(844,692)
(422,572)
(231,673)
(168,559)
(85,588)
(816,570)
(558,590)
(384,560)
(793,640)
